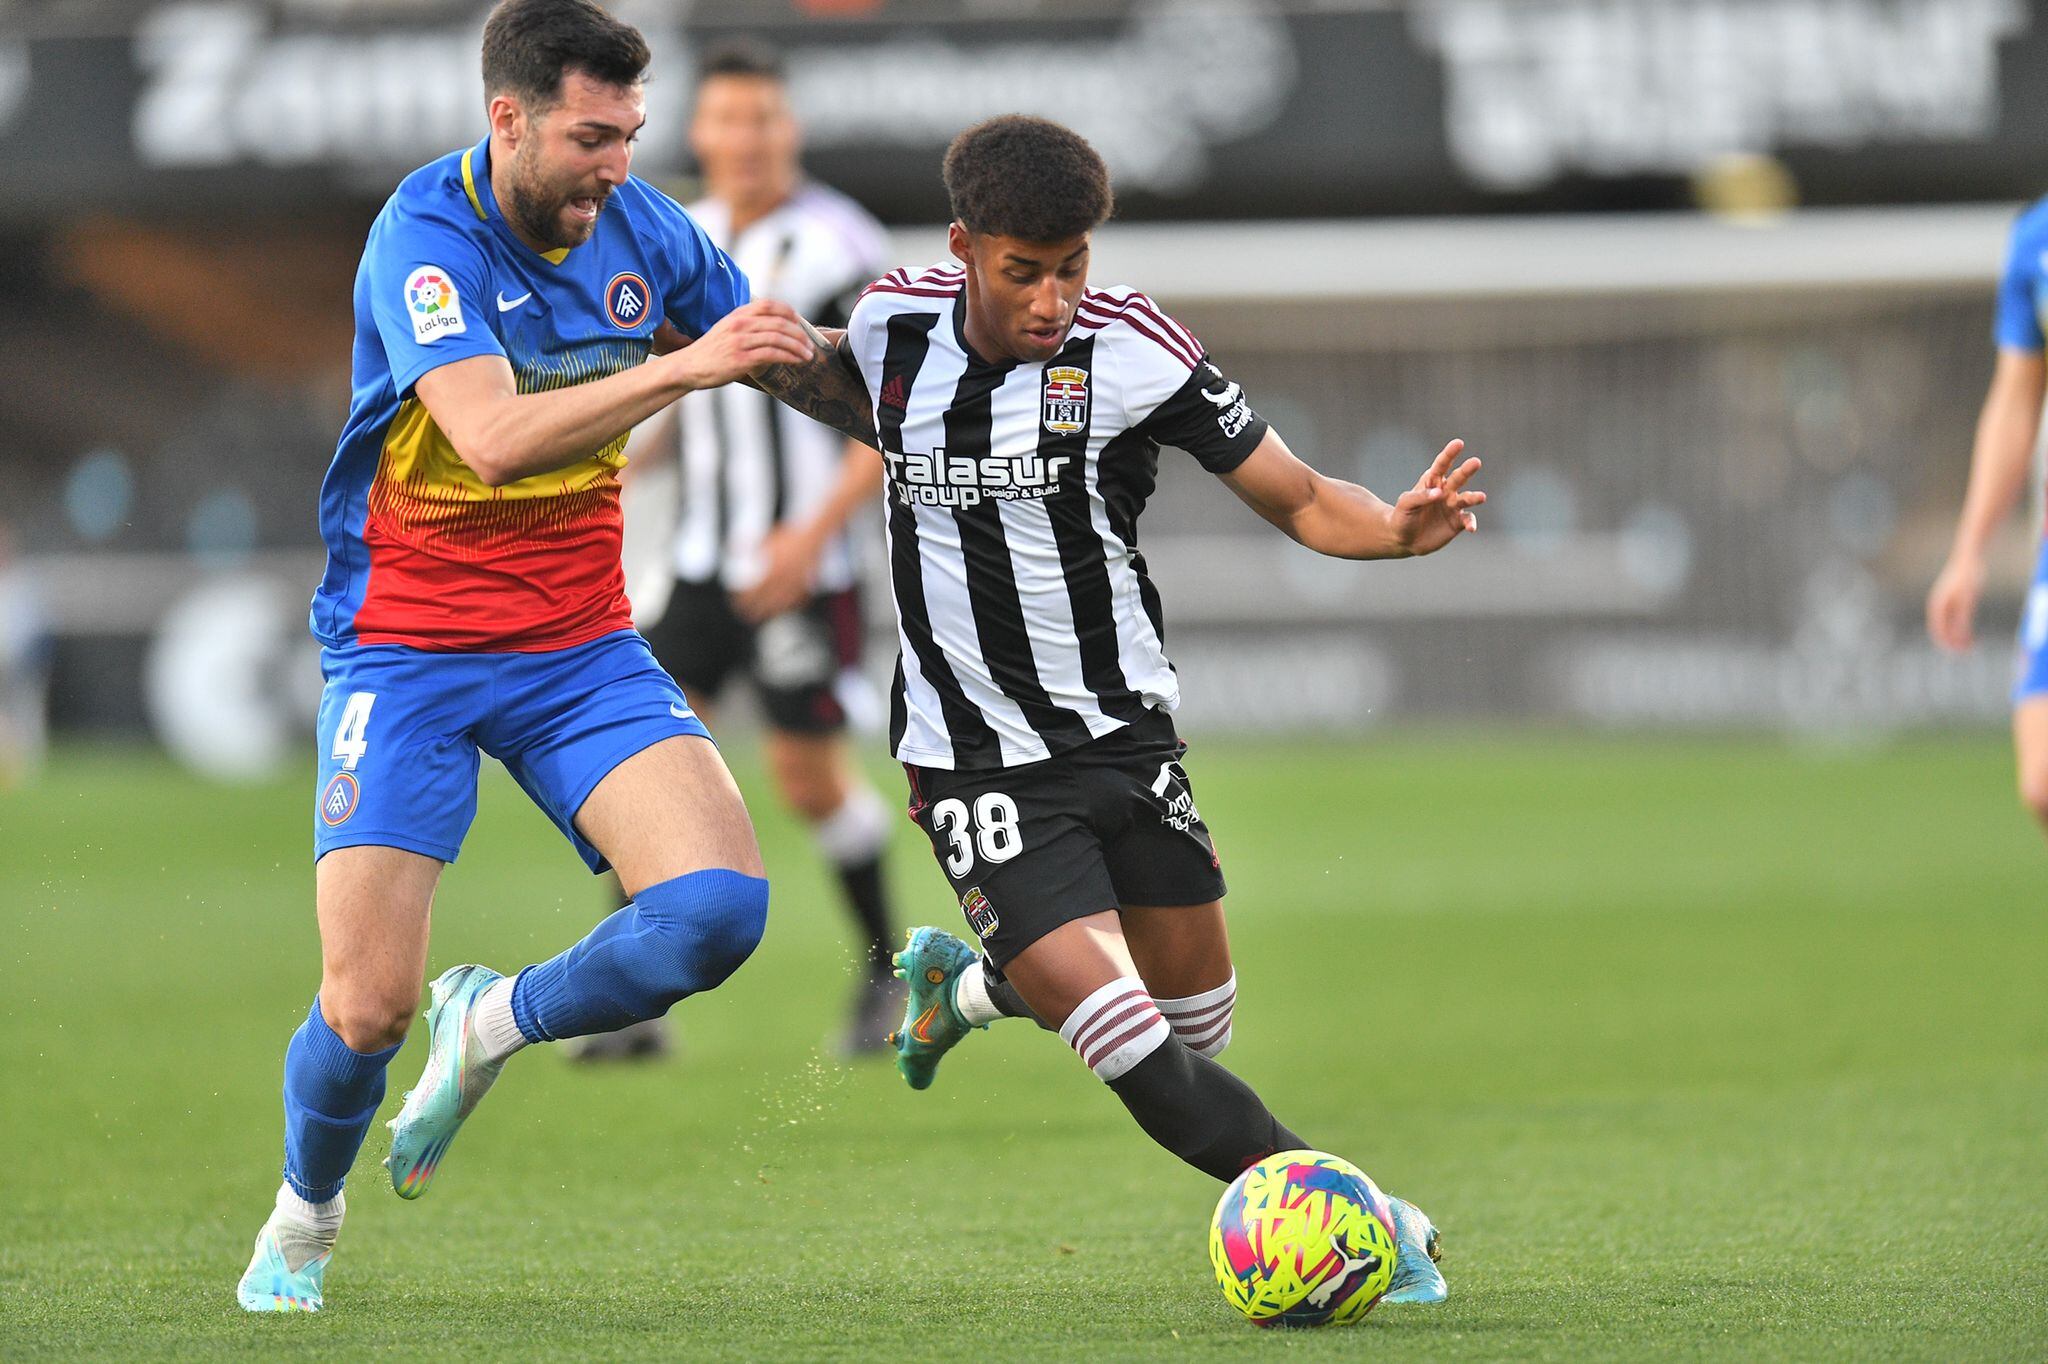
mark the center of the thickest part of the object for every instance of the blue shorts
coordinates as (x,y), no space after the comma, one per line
(400,730)
(2032,681)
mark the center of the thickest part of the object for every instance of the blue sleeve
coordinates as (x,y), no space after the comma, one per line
(429,291)
(703,284)
(2019,320)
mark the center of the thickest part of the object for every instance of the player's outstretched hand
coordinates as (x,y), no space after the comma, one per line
(1439,507)
(745,341)
(1952,604)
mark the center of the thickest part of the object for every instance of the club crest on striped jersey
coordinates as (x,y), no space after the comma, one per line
(1066,400)
(625,300)
(981,915)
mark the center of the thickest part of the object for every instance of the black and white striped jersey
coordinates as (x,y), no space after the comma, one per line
(1027,622)
(746,461)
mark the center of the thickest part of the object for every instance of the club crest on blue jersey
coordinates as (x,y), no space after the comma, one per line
(1066,400)
(625,300)
(340,799)
(981,915)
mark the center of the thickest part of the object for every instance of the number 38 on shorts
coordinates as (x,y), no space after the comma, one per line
(1110,823)
(988,828)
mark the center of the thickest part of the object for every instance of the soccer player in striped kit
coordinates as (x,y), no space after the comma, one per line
(1020,414)
(765,587)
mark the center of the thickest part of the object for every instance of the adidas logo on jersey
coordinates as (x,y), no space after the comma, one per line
(942,480)
(895,394)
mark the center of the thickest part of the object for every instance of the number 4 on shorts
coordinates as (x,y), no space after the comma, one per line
(351,741)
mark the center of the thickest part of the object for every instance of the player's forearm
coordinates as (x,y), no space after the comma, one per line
(1345,521)
(1998,474)
(536,433)
(826,388)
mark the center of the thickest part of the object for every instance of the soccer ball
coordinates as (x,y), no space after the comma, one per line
(1303,1239)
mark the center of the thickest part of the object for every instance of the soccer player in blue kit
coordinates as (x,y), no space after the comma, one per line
(2000,464)
(508,302)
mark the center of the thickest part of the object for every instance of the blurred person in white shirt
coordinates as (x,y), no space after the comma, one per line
(24,668)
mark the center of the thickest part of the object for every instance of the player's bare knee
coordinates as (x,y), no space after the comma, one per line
(367,1021)
(812,798)
(2034,795)
(809,782)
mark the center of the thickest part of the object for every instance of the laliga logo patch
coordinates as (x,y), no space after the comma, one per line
(340,799)
(625,299)
(1066,400)
(981,915)
(433,304)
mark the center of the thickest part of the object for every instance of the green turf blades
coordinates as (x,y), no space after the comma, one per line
(931,960)
(1734,1054)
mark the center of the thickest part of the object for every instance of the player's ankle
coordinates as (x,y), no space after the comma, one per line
(321,1217)
(971,997)
(497,1030)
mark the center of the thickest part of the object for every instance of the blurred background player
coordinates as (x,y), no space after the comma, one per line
(2000,462)
(1020,414)
(764,573)
(24,668)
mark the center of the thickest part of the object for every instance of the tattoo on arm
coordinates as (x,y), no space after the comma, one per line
(826,388)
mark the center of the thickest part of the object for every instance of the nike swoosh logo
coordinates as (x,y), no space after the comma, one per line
(680,712)
(506,305)
(922,1029)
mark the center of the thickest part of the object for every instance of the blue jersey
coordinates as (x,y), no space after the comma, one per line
(2023,289)
(420,551)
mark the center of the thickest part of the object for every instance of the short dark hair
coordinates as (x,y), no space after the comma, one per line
(530,45)
(1029,178)
(743,59)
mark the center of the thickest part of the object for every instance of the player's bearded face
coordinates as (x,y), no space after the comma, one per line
(568,160)
(1022,295)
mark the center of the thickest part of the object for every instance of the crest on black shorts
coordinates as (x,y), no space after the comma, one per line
(981,915)
(1066,400)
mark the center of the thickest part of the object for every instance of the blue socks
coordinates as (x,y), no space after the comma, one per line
(678,938)
(330,1095)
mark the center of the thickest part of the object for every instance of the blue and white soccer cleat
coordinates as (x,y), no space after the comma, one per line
(271,1283)
(456,1078)
(1416,1277)
(931,960)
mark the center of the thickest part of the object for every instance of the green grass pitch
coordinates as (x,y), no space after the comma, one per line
(1702,1050)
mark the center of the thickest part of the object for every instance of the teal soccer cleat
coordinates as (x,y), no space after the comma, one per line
(931,960)
(1416,1277)
(456,1078)
(270,1283)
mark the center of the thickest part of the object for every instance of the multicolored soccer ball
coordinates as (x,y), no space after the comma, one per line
(1303,1239)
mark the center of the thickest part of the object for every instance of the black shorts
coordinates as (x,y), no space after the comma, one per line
(794,659)
(1108,824)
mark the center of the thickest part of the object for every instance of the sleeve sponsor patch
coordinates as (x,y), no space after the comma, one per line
(433,304)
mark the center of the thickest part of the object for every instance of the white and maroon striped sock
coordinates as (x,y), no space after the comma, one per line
(1202,1022)
(1115,1028)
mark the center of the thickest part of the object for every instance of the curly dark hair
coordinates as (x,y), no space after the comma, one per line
(529,45)
(1028,178)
